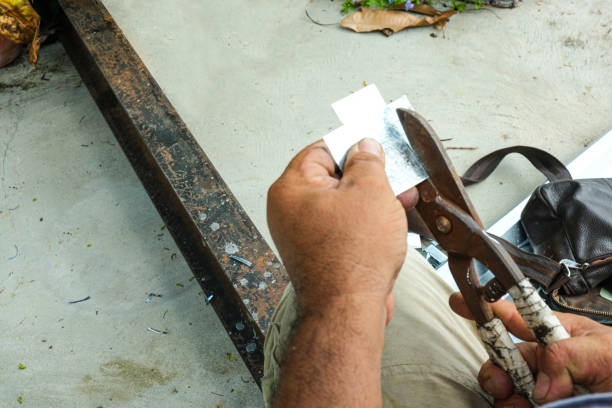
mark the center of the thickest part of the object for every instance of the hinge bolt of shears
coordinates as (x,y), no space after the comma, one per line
(443,224)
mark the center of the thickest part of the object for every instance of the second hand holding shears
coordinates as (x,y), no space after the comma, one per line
(446,209)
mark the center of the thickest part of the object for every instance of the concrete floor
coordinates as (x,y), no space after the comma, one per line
(75,222)
(254,85)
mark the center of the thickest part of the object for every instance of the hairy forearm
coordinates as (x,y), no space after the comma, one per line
(334,358)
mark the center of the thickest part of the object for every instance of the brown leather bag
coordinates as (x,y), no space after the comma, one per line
(570,223)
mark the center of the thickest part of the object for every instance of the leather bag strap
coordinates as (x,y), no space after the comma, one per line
(548,273)
(548,164)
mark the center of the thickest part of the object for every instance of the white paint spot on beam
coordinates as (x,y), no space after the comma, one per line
(202,215)
(244,281)
(231,248)
(262,285)
(214,226)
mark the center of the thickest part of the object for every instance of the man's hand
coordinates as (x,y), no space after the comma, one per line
(340,239)
(343,241)
(585,358)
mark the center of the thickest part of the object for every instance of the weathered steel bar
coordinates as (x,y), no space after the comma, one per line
(205,219)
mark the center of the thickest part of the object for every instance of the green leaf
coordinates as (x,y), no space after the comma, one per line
(21,366)
(348,6)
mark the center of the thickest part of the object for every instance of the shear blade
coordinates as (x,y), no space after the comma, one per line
(436,162)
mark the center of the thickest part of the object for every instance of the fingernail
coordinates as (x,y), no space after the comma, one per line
(541,387)
(369,145)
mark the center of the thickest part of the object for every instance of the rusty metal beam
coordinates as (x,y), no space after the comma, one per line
(183,184)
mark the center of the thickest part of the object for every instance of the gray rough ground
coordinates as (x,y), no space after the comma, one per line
(254,84)
(56,148)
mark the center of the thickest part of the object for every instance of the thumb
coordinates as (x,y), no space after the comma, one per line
(365,162)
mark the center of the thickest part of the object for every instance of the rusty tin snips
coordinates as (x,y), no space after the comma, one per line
(446,209)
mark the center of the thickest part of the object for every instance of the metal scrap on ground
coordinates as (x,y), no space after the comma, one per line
(241,260)
(151,296)
(79,301)
(157,331)
(16,253)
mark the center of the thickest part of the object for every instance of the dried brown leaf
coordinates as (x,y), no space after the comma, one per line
(388,21)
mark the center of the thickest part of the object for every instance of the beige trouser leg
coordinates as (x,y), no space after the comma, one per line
(431,356)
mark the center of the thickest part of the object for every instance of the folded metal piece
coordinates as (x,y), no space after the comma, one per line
(365,114)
